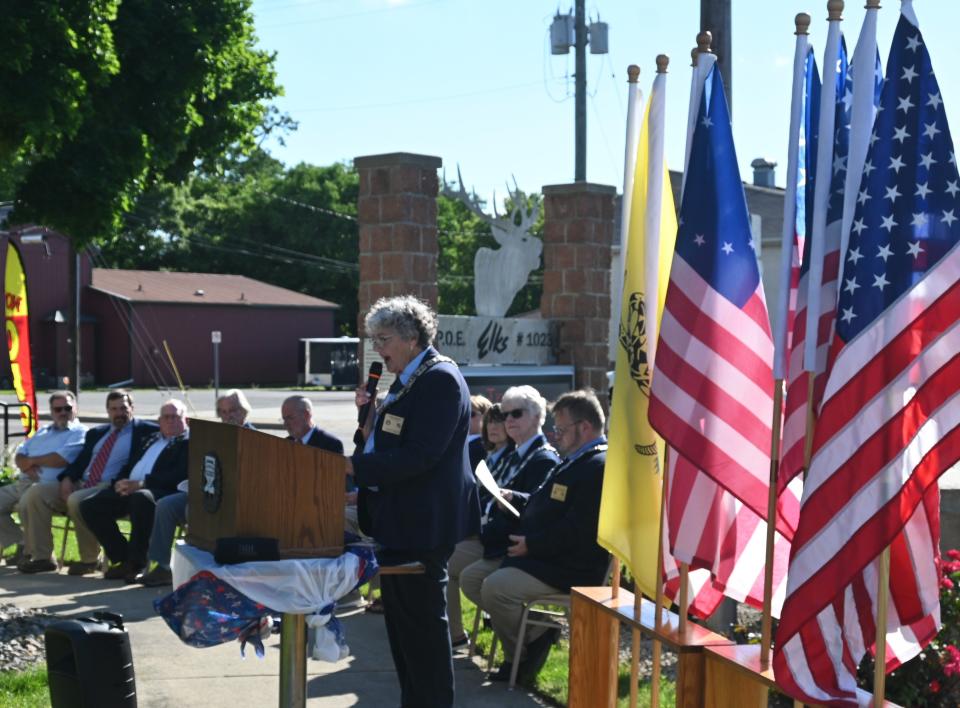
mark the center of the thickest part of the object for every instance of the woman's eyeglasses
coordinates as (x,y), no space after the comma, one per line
(515,413)
(62,409)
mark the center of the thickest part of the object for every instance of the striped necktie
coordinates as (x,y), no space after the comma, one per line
(99,463)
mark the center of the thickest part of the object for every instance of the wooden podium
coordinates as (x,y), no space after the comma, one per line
(247,483)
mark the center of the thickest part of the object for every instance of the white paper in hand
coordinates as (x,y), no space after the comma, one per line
(490,484)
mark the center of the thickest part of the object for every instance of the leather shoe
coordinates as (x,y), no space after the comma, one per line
(39,565)
(80,568)
(537,652)
(122,571)
(501,674)
(155,578)
(17,557)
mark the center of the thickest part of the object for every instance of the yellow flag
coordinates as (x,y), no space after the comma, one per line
(632,484)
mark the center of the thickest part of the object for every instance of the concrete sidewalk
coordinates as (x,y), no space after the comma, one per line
(170,674)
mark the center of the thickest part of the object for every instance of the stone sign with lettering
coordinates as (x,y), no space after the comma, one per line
(497,340)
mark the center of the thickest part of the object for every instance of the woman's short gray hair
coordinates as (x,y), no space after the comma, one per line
(240,397)
(526,397)
(409,317)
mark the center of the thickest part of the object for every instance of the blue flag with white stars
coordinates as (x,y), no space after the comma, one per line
(714,233)
(908,205)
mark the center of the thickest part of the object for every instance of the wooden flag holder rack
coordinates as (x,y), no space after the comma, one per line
(712,671)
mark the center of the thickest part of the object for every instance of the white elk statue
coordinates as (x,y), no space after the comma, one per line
(498,275)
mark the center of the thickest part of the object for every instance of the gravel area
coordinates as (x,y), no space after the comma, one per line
(21,637)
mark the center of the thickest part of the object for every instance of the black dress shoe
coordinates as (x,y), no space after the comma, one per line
(39,565)
(537,652)
(501,674)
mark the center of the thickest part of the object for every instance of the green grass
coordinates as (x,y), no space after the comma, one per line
(72,553)
(551,682)
(24,689)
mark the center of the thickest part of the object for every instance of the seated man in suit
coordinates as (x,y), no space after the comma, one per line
(161,467)
(40,459)
(556,545)
(107,451)
(171,510)
(297,413)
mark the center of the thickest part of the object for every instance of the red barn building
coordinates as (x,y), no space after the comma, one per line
(127,315)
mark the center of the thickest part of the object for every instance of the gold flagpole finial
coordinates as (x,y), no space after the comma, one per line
(694,53)
(802,22)
(704,40)
(872,5)
(835,10)
(663,61)
(633,73)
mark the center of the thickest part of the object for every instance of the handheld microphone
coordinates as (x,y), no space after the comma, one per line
(373,378)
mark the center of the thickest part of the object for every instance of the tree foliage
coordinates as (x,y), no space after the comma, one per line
(290,227)
(100,99)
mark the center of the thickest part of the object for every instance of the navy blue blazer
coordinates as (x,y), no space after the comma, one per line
(142,431)
(425,497)
(540,458)
(477,452)
(169,469)
(560,525)
(320,438)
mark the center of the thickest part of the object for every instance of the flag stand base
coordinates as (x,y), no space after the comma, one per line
(595,619)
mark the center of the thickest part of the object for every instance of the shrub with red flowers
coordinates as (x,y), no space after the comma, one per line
(933,677)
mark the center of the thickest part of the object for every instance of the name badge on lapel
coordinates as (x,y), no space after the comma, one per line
(392,424)
(558,492)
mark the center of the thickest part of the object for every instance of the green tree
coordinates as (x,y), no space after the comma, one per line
(292,227)
(100,99)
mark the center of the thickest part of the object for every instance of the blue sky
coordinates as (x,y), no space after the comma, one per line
(474,82)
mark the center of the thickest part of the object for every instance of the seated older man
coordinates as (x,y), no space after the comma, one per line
(161,467)
(40,459)
(107,451)
(171,511)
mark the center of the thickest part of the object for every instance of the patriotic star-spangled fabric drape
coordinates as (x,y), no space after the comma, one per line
(712,392)
(890,420)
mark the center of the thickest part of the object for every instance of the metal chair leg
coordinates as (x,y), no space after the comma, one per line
(518,649)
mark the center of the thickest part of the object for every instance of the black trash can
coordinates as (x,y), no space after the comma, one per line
(89,663)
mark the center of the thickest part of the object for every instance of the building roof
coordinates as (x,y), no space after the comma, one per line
(198,288)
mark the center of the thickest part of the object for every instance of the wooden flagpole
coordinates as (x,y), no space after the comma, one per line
(658,603)
(801,30)
(766,625)
(883,594)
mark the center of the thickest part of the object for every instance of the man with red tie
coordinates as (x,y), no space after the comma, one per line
(107,451)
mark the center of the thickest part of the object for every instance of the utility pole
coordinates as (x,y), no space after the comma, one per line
(74,368)
(715,16)
(572,31)
(580,100)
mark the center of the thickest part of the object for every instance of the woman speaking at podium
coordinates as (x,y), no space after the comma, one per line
(417,497)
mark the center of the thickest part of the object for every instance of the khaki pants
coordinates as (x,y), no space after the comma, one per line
(10,494)
(502,594)
(37,507)
(466,553)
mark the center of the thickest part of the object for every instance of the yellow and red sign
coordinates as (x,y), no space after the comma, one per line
(18,337)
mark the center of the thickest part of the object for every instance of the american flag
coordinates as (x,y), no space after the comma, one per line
(712,391)
(889,424)
(832,171)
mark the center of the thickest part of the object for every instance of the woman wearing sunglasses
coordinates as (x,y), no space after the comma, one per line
(525,469)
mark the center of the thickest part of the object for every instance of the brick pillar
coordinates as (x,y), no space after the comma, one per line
(577,240)
(397,215)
